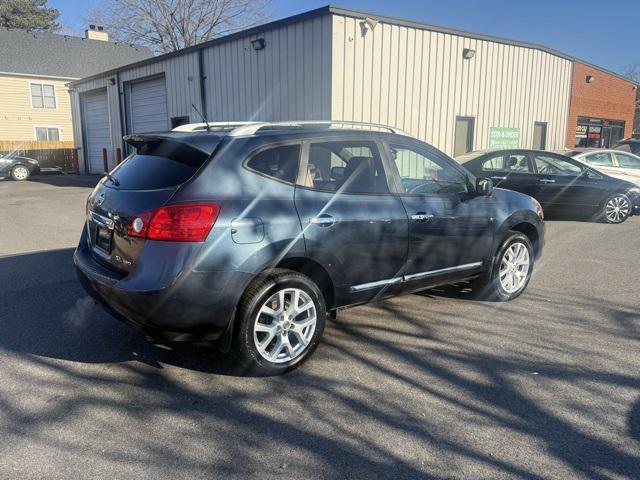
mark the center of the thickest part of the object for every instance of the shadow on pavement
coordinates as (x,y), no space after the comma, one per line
(337,423)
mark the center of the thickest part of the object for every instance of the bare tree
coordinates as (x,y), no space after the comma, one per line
(169,25)
(633,72)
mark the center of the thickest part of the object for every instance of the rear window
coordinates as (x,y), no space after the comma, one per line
(159,165)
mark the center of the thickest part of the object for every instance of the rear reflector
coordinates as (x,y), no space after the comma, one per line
(187,222)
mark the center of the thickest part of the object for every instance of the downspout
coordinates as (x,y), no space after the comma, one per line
(203,96)
(120,104)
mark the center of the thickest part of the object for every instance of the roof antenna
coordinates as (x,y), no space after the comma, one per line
(204,119)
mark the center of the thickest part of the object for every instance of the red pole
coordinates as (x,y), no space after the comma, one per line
(119,155)
(76,164)
(105,162)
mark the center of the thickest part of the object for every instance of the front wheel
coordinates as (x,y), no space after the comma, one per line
(20,173)
(281,318)
(616,209)
(511,271)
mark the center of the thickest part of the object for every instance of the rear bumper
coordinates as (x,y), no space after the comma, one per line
(194,307)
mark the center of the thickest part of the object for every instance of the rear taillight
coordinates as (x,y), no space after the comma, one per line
(187,222)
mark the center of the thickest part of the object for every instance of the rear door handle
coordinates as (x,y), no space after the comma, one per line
(547,180)
(421,217)
(323,220)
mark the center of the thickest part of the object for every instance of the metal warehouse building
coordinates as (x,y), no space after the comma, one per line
(457,90)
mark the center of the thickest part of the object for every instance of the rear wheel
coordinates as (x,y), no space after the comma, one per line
(20,173)
(511,270)
(280,321)
(616,209)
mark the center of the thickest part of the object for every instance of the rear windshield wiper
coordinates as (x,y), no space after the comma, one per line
(112,178)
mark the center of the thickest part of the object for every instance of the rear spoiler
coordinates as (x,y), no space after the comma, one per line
(205,143)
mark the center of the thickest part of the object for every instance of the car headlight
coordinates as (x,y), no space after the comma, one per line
(539,209)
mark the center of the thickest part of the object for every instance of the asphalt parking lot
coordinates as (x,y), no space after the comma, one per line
(421,386)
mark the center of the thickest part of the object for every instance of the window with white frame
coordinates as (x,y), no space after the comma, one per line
(47,133)
(43,95)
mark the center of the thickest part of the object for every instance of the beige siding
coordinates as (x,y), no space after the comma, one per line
(417,80)
(18,118)
(289,79)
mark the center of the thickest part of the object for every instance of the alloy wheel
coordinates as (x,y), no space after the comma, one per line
(617,209)
(284,325)
(514,267)
(20,173)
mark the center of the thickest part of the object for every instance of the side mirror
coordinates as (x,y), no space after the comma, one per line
(337,173)
(484,186)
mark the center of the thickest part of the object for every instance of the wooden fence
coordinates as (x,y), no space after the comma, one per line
(49,154)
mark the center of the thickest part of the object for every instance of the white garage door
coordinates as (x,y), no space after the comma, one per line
(95,115)
(148,106)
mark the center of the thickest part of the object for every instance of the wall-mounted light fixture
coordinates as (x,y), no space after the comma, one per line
(112,81)
(258,44)
(468,53)
(590,78)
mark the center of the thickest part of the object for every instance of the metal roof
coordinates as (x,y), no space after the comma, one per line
(62,56)
(334,10)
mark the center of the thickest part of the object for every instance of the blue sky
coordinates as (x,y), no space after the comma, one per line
(602,32)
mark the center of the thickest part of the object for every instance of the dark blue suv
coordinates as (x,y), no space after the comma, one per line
(249,236)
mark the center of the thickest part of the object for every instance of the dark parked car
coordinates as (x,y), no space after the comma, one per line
(561,184)
(249,236)
(628,145)
(19,168)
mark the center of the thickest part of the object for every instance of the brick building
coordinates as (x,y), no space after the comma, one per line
(601,110)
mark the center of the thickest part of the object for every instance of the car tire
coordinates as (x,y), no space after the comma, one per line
(20,173)
(272,336)
(514,255)
(616,209)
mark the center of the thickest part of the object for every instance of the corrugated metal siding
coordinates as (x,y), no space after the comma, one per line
(417,80)
(182,80)
(289,79)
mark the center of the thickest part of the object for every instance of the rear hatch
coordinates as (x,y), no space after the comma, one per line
(144,182)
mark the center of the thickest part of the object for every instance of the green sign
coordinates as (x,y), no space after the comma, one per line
(504,137)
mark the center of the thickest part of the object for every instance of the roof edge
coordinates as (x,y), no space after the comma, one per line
(335,10)
(37,75)
(265,27)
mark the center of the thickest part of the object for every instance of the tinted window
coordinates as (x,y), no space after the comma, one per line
(602,159)
(423,172)
(345,166)
(277,162)
(159,165)
(551,165)
(627,161)
(507,163)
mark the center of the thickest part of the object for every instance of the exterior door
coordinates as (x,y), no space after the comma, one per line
(97,135)
(351,222)
(463,142)
(562,184)
(448,231)
(147,104)
(540,136)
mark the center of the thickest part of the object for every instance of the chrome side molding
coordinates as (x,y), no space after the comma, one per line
(413,276)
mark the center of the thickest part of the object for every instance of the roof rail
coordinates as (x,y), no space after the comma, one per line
(193,127)
(251,128)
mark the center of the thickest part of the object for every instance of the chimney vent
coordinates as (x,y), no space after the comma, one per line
(96,33)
